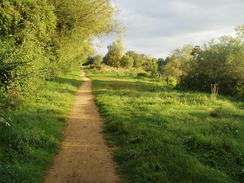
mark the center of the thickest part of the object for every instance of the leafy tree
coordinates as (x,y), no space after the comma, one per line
(126,61)
(196,51)
(94,60)
(139,59)
(26,28)
(179,63)
(240,32)
(161,63)
(151,66)
(98,59)
(90,60)
(115,53)
(78,23)
(40,39)
(219,62)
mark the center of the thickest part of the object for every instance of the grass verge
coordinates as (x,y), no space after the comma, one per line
(28,146)
(165,135)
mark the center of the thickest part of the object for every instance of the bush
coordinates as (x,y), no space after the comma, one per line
(26,29)
(239,90)
(219,62)
(126,61)
(151,66)
(40,40)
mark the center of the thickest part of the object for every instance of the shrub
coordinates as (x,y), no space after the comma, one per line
(39,40)
(26,29)
(126,61)
(218,62)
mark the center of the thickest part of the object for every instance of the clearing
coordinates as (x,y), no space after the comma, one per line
(165,135)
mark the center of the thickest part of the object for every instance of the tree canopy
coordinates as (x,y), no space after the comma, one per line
(218,62)
(41,39)
(115,53)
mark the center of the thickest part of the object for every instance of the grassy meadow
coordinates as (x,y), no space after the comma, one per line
(164,135)
(28,146)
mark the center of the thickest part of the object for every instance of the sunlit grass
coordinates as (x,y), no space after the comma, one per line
(29,144)
(168,135)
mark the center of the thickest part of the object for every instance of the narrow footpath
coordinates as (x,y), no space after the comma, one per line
(84,157)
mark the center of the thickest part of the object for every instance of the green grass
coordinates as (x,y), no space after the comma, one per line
(164,135)
(28,146)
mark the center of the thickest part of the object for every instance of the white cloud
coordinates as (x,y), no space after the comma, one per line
(157,27)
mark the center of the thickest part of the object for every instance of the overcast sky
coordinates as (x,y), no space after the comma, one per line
(157,27)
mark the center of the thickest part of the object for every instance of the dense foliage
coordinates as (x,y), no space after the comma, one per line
(41,39)
(116,57)
(126,61)
(219,62)
(115,53)
(26,28)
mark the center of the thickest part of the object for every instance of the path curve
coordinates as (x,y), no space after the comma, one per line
(84,157)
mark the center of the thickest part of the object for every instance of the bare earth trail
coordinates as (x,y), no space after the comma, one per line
(84,157)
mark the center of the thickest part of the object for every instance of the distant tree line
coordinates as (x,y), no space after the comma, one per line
(218,62)
(116,57)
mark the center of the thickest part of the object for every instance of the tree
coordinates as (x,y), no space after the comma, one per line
(240,32)
(41,39)
(95,61)
(98,59)
(196,51)
(161,63)
(115,53)
(219,62)
(126,61)
(78,22)
(26,28)
(151,66)
(179,63)
(139,59)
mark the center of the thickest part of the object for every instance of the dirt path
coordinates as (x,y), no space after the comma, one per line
(84,158)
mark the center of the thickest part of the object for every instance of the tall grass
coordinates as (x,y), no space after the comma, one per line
(29,144)
(165,135)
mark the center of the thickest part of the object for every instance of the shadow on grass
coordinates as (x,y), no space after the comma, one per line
(130,85)
(73,82)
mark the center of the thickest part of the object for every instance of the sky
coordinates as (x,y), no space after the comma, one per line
(157,27)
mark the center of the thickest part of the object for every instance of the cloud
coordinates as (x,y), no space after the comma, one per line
(157,27)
